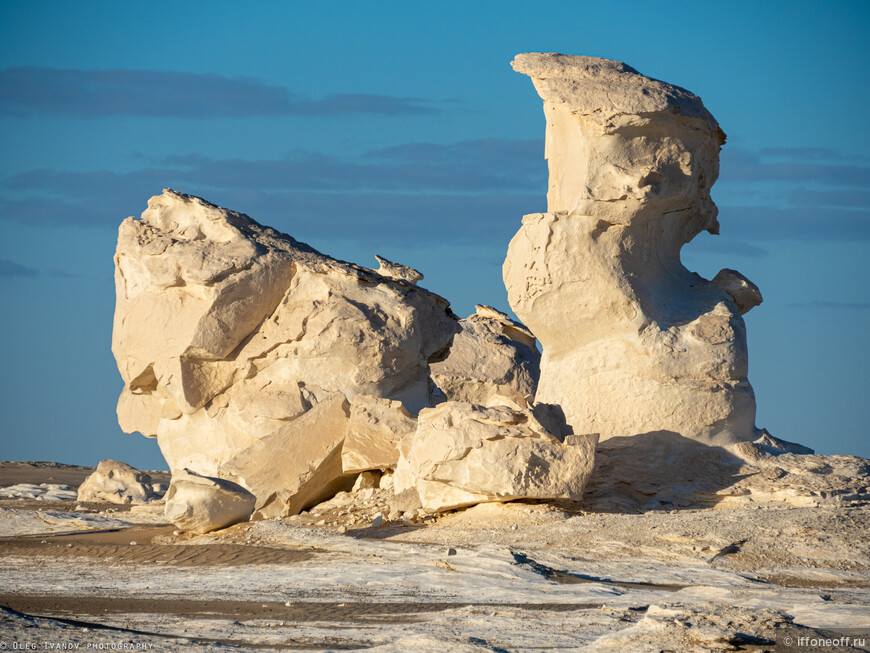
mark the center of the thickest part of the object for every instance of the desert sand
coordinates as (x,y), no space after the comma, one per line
(497,577)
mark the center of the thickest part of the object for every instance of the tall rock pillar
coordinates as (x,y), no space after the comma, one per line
(633,342)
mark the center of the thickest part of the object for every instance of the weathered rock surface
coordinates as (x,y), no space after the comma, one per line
(661,471)
(227,331)
(393,270)
(633,342)
(117,482)
(375,427)
(199,504)
(298,465)
(491,355)
(462,454)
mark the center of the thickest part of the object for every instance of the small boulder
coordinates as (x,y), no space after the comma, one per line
(463,454)
(397,271)
(199,504)
(367,481)
(491,355)
(117,482)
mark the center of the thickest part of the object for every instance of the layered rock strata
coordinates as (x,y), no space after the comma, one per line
(239,346)
(633,342)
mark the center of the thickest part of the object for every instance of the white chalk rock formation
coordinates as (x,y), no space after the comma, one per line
(227,332)
(375,427)
(117,482)
(633,342)
(462,454)
(397,271)
(297,466)
(491,355)
(200,504)
(656,471)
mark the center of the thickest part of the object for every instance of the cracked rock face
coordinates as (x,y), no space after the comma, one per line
(462,454)
(633,342)
(491,355)
(226,332)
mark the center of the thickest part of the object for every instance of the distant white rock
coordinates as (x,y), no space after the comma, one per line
(200,504)
(41,492)
(117,482)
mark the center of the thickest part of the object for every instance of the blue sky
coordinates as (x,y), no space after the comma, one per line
(399,128)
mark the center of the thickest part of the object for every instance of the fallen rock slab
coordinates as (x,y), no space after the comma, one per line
(297,466)
(200,504)
(462,454)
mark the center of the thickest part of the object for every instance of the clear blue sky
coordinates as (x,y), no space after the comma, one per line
(399,128)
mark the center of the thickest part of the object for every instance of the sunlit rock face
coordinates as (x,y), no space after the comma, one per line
(633,342)
(227,333)
(491,355)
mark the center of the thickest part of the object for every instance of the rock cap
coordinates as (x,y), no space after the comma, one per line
(602,89)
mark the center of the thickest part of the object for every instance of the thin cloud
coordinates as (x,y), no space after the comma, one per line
(801,153)
(12,269)
(749,166)
(846,197)
(723,245)
(807,224)
(849,306)
(370,217)
(468,167)
(101,93)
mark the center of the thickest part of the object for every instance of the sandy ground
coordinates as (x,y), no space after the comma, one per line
(513,577)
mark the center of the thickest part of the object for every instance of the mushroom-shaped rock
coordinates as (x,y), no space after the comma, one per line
(491,355)
(117,482)
(199,504)
(462,454)
(633,342)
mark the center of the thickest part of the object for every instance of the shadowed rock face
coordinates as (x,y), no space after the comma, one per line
(227,332)
(633,342)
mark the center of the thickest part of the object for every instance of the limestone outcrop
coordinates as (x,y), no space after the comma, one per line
(666,471)
(227,333)
(633,342)
(200,504)
(491,355)
(375,427)
(117,482)
(462,454)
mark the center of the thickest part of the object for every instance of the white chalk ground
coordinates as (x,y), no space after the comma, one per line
(494,578)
